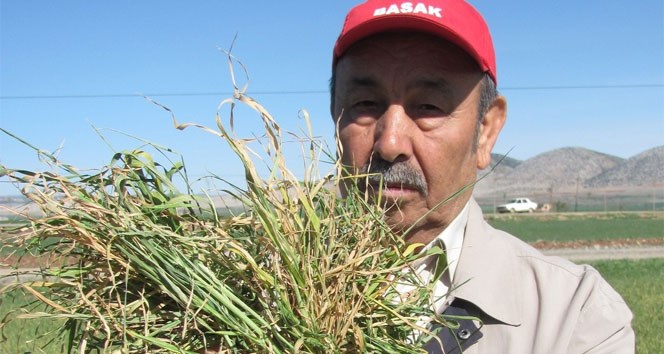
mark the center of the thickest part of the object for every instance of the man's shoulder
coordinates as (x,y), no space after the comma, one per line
(532,260)
(521,266)
(537,289)
(559,305)
(563,281)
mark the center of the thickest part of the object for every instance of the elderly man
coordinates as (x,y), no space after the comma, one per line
(414,96)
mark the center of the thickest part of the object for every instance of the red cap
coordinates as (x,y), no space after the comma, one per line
(453,20)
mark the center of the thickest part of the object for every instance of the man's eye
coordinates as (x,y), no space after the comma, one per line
(428,107)
(365,104)
(363,112)
(424,110)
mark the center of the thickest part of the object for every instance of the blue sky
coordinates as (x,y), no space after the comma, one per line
(575,73)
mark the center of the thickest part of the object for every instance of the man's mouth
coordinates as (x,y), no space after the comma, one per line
(394,190)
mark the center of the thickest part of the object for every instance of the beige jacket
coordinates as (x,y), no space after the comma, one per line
(530,303)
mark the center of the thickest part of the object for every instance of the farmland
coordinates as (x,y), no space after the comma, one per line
(571,227)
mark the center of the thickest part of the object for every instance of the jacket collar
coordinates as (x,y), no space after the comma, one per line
(487,274)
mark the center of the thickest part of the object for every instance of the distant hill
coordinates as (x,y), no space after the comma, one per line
(504,160)
(568,168)
(646,168)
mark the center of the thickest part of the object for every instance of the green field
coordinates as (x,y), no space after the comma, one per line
(580,226)
(23,336)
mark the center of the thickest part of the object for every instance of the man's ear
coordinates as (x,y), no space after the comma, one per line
(490,128)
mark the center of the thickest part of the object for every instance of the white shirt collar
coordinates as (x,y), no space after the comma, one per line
(451,240)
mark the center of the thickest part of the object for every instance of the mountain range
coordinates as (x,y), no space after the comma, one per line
(572,168)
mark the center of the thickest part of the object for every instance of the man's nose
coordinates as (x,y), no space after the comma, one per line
(392,140)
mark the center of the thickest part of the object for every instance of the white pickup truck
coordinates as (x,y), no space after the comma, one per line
(517,205)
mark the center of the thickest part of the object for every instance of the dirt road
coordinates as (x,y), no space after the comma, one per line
(595,254)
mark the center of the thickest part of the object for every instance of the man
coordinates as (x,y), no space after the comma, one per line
(414,96)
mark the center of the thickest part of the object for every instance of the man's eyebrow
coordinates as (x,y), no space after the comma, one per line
(432,84)
(363,81)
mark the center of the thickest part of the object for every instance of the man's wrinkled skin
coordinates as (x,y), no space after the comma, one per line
(407,107)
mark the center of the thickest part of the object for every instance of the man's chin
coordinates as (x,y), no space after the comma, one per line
(397,220)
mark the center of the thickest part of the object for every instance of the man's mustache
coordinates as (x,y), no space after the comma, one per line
(394,174)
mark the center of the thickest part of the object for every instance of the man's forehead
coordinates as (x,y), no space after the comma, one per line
(407,48)
(418,61)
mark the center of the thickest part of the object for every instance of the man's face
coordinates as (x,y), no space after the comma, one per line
(407,106)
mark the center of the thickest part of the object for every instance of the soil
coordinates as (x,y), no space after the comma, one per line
(581,251)
(599,244)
